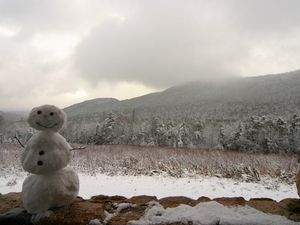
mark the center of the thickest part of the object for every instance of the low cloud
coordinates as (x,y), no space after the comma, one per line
(163,43)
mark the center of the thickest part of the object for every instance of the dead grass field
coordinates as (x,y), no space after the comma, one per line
(136,160)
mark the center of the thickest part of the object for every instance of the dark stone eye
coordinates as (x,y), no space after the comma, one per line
(51,114)
(39,112)
(41,152)
(40,163)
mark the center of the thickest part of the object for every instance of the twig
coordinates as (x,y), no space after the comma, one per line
(16,137)
(79,148)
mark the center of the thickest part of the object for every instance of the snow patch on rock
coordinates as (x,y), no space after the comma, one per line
(209,213)
(95,222)
(119,208)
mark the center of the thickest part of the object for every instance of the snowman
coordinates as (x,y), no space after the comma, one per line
(46,155)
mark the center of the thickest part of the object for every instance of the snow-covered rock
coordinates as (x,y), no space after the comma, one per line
(209,213)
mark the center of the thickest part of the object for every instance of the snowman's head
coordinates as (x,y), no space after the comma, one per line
(47,117)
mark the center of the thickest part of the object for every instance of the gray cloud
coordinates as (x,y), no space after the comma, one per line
(267,16)
(163,43)
(63,51)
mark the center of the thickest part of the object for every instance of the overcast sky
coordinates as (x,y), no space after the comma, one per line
(63,52)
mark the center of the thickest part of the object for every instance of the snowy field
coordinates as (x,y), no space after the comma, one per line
(160,186)
(129,171)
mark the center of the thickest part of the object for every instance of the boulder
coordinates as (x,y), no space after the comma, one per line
(172,202)
(105,198)
(142,199)
(266,205)
(231,201)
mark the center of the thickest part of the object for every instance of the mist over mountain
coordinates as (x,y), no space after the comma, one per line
(245,114)
(237,97)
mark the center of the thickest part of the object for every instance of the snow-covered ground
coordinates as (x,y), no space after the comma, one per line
(163,186)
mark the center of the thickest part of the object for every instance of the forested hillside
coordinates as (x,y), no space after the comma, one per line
(248,114)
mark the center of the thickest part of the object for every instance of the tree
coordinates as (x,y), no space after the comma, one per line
(1,121)
(105,130)
(294,134)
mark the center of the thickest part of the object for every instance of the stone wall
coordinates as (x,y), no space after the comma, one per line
(118,210)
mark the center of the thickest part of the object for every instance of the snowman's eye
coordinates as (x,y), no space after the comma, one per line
(41,152)
(39,112)
(51,114)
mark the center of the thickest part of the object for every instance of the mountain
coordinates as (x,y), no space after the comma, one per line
(253,114)
(277,94)
(12,116)
(90,106)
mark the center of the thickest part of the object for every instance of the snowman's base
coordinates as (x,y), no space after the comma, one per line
(42,192)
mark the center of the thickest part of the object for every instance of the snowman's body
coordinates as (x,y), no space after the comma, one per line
(43,192)
(46,152)
(46,155)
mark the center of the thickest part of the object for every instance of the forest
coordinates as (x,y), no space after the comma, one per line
(268,134)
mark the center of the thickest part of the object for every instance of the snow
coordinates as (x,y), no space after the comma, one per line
(196,187)
(209,213)
(4,181)
(95,222)
(164,186)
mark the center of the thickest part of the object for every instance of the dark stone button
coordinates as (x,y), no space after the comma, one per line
(40,163)
(41,152)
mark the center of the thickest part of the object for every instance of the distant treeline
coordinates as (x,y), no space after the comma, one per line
(255,134)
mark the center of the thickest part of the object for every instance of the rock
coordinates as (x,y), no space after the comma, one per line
(203,199)
(16,216)
(298,183)
(105,198)
(142,199)
(172,202)
(292,208)
(231,201)
(134,213)
(10,201)
(266,205)
(291,204)
(81,212)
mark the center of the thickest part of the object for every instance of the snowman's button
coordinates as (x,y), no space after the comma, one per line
(40,163)
(41,152)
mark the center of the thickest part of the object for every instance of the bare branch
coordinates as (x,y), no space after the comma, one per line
(16,137)
(78,148)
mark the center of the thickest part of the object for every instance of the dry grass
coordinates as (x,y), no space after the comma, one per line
(134,160)
(10,156)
